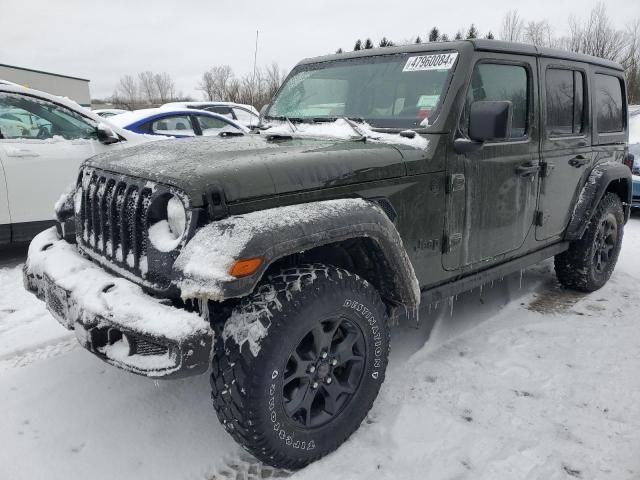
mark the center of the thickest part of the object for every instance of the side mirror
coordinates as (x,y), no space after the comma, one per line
(490,120)
(106,135)
(629,160)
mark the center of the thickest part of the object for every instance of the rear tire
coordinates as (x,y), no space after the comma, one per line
(589,262)
(299,364)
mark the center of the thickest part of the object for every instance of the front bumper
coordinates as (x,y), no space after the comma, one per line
(112,317)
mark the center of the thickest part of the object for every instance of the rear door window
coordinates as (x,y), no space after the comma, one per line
(609,105)
(173,126)
(245,117)
(211,126)
(565,101)
(226,111)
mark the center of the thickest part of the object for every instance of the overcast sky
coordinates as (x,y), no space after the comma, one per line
(103,40)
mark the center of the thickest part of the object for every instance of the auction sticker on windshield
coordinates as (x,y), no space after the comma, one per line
(438,61)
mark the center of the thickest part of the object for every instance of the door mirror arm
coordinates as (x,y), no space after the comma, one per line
(106,135)
(465,145)
(488,120)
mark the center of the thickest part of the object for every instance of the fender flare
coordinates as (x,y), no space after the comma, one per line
(608,176)
(202,267)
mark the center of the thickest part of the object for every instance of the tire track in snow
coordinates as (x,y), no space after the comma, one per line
(246,467)
(44,352)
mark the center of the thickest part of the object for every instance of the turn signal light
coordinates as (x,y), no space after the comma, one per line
(245,267)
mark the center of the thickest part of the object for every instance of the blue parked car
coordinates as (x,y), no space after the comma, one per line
(635,150)
(182,122)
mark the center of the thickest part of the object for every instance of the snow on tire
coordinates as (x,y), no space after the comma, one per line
(589,262)
(300,363)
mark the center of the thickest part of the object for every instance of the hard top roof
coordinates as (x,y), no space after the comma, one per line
(476,44)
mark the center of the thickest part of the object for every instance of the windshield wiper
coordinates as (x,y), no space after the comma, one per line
(291,125)
(285,119)
(356,128)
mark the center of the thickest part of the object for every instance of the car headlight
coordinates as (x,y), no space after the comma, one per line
(167,231)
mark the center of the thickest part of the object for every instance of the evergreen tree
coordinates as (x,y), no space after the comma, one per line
(490,36)
(434,34)
(444,37)
(368,44)
(358,45)
(384,42)
(458,36)
(339,50)
(472,32)
(418,39)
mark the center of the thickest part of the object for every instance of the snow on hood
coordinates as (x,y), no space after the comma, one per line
(341,129)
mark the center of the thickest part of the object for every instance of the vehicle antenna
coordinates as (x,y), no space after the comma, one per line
(255,63)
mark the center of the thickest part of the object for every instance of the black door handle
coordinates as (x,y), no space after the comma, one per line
(578,161)
(527,169)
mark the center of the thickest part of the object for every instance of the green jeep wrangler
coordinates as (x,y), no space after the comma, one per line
(378,180)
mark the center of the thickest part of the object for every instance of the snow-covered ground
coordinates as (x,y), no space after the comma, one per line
(522,380)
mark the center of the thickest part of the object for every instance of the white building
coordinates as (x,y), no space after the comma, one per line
(77,89)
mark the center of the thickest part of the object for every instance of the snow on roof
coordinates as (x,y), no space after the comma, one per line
(209,104)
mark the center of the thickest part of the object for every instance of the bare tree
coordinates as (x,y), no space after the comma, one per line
(538,33)
(220,83)
(631,61)
(147,86)
(126,92)
(274,76)
(597,36)
(215,82)
(165,87)
(512,28)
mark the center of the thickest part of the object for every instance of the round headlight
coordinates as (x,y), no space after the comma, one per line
(165,234)
(176,216)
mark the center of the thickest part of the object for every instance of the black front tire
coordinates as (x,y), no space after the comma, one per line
(589,262)
(299,364)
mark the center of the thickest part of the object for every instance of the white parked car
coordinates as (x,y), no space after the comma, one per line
(246,115)
(108,112)
(43,140)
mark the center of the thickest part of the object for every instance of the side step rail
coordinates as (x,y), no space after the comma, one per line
(476,279)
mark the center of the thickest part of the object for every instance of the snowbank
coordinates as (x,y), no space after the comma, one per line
(519,382)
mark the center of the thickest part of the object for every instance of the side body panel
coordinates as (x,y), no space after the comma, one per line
(39,171)
(491,206)
(5,217)
(567,158)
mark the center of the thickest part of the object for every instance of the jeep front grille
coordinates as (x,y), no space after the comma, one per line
(113,219)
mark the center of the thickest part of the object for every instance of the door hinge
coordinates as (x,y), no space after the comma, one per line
(539,218)
(451,241)
(455,182)
(546,169)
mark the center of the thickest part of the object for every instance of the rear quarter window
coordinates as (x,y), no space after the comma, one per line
(609,104)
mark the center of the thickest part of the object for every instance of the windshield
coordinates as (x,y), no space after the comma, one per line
(390,91)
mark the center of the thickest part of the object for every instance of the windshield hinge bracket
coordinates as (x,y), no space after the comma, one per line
(455,183)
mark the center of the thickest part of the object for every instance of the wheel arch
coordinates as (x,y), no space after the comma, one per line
(610,177)
(351,233)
